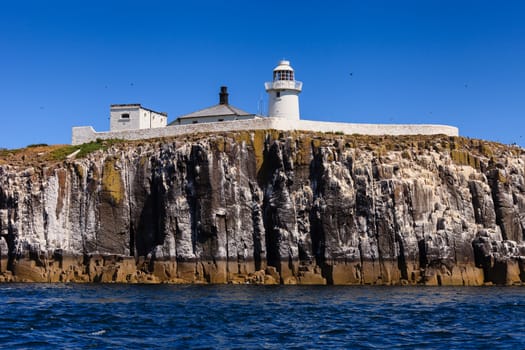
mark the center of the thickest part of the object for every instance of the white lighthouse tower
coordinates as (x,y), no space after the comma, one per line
(283,92)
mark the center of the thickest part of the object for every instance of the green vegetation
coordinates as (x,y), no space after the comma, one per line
(4,152)
(85,148)
(334,133)
(33,145)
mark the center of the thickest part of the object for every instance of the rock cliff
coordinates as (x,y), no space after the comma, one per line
(267,207)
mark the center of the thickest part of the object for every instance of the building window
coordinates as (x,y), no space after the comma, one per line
(124,116)
(195,122)
(278,94)
(220,120)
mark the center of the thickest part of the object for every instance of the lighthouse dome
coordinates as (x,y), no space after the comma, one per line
(283,65)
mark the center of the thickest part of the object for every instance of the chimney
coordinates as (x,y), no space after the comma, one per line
(223,96)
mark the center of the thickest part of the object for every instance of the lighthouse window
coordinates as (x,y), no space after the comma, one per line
(283,75)
(278,94)
(279,75)
(124,116)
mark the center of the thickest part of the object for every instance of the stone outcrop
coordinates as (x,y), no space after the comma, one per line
(268,207)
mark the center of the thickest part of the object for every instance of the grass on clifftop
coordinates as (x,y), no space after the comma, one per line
(42,153)
(463,151)
(84,149)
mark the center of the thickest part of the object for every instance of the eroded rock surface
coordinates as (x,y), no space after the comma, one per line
(269,207)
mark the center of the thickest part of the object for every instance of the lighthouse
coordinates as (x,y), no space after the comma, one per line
(283,92)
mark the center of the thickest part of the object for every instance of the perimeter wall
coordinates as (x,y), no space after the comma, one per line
(84,134)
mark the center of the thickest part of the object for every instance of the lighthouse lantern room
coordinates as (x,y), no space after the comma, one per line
(283,92)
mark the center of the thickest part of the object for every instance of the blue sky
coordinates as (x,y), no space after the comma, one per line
(62,63)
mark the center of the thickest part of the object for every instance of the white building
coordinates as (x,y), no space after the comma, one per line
(283,92)
(220,112)
(134,116)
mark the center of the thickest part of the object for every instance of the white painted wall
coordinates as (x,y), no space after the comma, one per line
(118,123)
(199,120)
(139,118)
(87,133)
(150,119)
(284,106)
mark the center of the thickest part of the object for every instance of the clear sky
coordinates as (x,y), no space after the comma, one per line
(62,63)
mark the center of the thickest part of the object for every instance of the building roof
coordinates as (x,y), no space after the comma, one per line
(125,105)
(136,105)
(215,111)
(222,109)
(283,65)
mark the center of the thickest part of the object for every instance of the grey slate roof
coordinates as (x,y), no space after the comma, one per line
(215,111)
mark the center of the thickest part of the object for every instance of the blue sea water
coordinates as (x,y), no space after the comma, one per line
(72,316)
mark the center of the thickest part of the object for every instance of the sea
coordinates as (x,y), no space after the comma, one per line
(101,316)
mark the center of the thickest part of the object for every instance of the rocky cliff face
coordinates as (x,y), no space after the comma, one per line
(269,207)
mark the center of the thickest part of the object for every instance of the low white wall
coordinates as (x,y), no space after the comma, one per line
(214,119)
(85,134)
